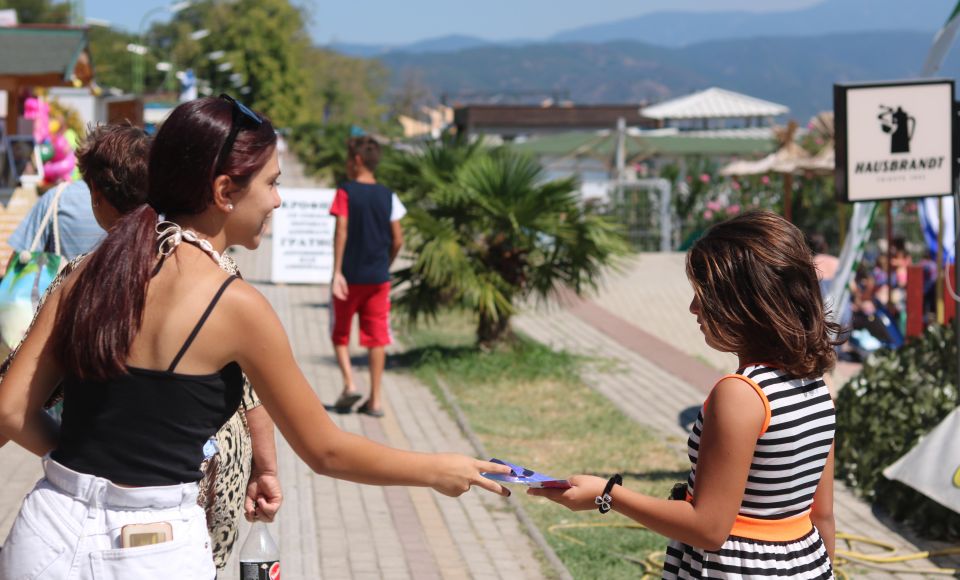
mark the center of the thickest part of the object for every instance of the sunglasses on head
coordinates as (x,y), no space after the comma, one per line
(240,114)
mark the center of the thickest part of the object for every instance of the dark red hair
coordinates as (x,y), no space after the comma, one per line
(101,313)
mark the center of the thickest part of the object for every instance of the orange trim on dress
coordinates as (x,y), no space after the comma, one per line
(782,530)
(760,393)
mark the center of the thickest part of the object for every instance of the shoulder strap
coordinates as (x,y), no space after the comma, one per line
(51,213)
(196,329)
(759,390)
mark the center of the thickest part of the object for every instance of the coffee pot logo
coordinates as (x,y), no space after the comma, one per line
(900,125)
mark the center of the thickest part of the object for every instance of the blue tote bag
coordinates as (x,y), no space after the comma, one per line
(28,275)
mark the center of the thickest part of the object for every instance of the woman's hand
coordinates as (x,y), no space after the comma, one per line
(581,496)
(264,497)
(455,474)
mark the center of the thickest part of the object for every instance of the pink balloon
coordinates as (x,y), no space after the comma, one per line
(62,163)
(39,112)
(61,147)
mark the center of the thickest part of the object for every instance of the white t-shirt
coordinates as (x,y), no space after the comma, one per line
(397,210)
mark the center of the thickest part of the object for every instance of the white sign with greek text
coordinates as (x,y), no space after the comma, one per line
(303,237)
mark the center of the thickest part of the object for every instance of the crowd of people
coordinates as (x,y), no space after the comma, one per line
(161,354)
(876,315)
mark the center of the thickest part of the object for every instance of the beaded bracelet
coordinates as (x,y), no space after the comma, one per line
(605,502)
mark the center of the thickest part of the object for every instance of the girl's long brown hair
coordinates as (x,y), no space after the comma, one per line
(101,313)
(759,294)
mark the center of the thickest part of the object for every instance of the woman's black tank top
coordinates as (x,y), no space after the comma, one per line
(147,427)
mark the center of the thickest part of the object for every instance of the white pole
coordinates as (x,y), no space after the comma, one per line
(621,160)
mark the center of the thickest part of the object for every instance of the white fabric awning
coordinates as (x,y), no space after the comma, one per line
(714,103)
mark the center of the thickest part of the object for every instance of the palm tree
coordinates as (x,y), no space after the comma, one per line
(486,231)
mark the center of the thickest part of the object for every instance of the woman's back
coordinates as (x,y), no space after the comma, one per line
(792,450)
(147,426)
(176,300)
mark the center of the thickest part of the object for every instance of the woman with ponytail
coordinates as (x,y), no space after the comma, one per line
(150,338)
(240,466)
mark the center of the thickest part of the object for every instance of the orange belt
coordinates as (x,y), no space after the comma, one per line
(783,530)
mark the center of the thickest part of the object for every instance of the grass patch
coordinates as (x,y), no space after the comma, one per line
(528,404)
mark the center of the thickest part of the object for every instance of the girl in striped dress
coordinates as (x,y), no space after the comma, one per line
(758,502)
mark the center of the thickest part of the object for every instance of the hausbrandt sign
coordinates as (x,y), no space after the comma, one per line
(894,140)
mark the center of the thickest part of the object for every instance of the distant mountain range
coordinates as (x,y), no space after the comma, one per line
(451,43)
(677,29)
(797,71)
(832,16)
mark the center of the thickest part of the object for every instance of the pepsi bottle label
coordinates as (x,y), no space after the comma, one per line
(260,570)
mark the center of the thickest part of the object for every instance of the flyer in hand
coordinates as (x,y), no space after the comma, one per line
(525,476)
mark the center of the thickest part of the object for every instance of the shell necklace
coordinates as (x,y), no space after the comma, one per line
(170,235)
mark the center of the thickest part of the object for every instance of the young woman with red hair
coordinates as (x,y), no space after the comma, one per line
(149,337)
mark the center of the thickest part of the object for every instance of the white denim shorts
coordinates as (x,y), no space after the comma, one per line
(69,527)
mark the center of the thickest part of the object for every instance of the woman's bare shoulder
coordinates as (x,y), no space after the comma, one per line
(242,298)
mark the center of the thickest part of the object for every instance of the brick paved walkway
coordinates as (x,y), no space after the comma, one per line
(335,529)
(654,365)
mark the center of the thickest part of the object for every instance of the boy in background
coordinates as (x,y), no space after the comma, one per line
(368,238)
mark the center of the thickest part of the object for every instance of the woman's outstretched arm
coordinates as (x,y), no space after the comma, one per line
(263,351)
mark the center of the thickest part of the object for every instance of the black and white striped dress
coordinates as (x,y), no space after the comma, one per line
(787,463)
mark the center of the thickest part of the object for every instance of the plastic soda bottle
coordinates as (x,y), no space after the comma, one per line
(259,556)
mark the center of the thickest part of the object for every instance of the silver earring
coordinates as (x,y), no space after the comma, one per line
(229,207)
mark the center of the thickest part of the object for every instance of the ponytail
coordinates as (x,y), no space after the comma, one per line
(101,313)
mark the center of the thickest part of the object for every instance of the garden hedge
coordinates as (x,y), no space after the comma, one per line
(881,414)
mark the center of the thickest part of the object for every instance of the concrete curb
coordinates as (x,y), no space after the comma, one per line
(528,524)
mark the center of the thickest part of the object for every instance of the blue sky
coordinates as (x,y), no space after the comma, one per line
(402,21)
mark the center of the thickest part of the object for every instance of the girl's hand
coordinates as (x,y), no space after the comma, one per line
(580,497)
(455,474)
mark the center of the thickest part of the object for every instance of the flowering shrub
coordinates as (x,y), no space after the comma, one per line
(717,210)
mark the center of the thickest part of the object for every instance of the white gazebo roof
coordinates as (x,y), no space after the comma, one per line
(714,103)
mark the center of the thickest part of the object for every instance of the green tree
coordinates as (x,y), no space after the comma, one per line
(269,37)
(323,150)
(39,11)
(260,43)
(113,64)
(487,231)
(345,90)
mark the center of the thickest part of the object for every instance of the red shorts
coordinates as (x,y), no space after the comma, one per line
(372,302)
